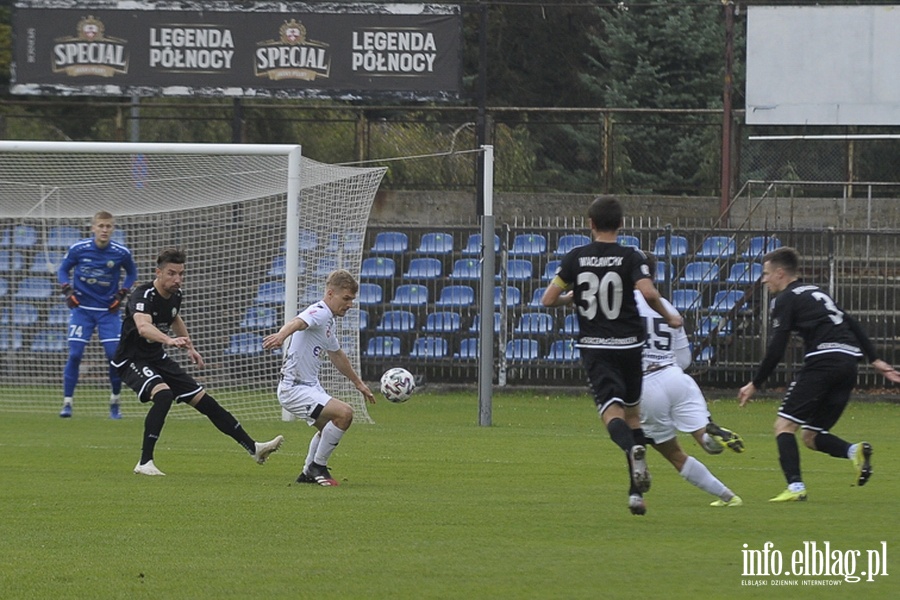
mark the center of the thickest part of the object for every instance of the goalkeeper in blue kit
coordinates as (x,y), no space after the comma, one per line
(91,279)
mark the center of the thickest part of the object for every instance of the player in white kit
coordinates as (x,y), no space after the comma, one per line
(312,337)
(671,401)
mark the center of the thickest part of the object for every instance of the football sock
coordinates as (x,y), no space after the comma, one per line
(225,422)
(330,437)
(832,445)
(154,421)
(67,400)
(313,447)
(789,457)
(696,473)
(639,437)
(621,433)
(114,398)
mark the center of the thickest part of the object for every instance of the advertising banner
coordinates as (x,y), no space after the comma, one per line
(277,50)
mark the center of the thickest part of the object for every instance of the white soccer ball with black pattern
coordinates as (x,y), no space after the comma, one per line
(397,384)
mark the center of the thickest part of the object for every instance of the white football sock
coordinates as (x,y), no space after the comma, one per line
(696,473)
(331,437)
(313,446)
(114,398)
(67,400)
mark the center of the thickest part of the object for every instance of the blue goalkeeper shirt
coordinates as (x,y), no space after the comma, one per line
(95,272)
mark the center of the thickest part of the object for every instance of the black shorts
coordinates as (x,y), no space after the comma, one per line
(142,376)
(615,376)
(820,393)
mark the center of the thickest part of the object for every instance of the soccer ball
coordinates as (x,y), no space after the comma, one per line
(397,384)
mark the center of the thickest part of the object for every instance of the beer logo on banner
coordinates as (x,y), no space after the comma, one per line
(292,55)
(90,52)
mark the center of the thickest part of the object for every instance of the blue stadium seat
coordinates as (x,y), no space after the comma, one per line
(535,324)
(397,320)
(435,242)
(685,300)
(518,269)
(11,261)
(383,346)
(11,340)
(706,354)
(513,296)
(550,270)
(466,268)
(4,287)
(725,300)
(700,272)
(679,246)
(429,347)
(279,267)
(58,314)
(47,261)
(363,320)
(309,240)
(628,240)
(270,292)
(660,276)
(570,325)
(456,295)
(744,272)
(390,242)
(410,294)
(260,317)
(569,241)
(24,313)
(377,267)
(476,323)
(468,348)
(325,265)
(120,237)
(564,351)
(35,288)
(244,344)
(759,246)
(6,238)
(443,322)
(707,324)
(522,349)
(716,247)
(60,238)
(473,245)
(49,341)
(529,244)
(24,236)
(536,298)
(351,242)
(370,293)
(423,268)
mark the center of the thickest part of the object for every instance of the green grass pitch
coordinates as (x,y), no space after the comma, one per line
(430,506)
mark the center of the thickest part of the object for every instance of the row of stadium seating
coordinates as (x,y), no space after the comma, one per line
(58,238)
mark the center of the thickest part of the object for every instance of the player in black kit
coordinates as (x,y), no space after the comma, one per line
(833,345)
(600,279)
(153,310)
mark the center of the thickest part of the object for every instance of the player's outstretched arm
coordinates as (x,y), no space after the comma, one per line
(275,340)
(889,372)
(746,393)
(342,363)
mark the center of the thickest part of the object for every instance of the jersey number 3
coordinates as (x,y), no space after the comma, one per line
(603,294)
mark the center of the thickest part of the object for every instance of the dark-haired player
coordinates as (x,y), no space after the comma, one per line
(834,343)
(153,310)
(600,279)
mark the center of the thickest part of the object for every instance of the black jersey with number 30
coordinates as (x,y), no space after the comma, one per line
(603,275)
(146,300)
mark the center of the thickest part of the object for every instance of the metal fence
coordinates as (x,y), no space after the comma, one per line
(712,279)
(592,150)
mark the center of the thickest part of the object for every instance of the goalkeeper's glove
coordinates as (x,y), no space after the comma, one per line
(120,297)
(69,292)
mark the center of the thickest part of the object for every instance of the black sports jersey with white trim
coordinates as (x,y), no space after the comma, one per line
(603,276)
(810,312)
(146,300)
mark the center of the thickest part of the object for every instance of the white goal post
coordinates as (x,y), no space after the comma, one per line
(261,225)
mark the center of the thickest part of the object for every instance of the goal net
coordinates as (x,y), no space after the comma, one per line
(262,227)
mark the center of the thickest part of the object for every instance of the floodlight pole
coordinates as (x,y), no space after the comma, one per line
(725,199)
(486,335)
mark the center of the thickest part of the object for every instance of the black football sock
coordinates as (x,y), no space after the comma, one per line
(154,421)
(621,433)
(789,457)
(832,445)
(225,422)
(639,437)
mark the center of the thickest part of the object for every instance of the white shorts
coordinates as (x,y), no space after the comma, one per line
(303,401)
(671,401)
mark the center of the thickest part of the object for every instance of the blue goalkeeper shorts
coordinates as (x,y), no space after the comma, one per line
(83,322)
